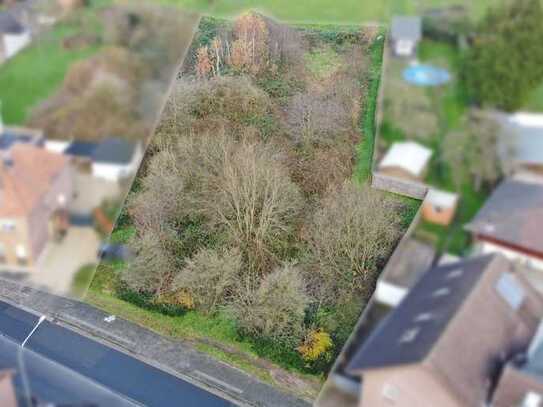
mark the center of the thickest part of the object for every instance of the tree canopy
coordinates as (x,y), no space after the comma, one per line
(505,62)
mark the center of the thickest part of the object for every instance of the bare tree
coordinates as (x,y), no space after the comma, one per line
(153,266)
(276,308)
(354,229)
(314,118)
(473,153)
(210,277)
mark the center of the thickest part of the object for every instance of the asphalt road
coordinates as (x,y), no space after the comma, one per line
(63,365)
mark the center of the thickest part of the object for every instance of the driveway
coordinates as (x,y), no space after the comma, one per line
(90,192)
(61,260)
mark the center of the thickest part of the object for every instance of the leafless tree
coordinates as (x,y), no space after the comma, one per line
(153,266)
(473,152)
(315,118)
(210,277)
(276,308)
(354,229)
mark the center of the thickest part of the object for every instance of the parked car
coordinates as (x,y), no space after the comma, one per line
(113,252)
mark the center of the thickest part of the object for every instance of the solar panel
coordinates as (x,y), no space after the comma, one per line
(510,290)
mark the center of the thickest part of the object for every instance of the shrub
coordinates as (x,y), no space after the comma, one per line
(353,230)
(209,278)
(315,345)
(276,309)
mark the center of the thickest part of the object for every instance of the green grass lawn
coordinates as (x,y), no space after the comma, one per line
(452,107)
(36,73)
(343,11)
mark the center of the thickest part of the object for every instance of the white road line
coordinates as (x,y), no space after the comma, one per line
(220,382)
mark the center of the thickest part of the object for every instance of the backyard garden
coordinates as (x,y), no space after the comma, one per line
(254,233)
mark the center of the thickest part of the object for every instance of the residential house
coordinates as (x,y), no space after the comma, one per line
(115,159)
(36,188)
(521,141)
(521,382)
(439,207)
(511,221)
(446,343)
(405,34)
(13,36)
(409,262)
(406,160)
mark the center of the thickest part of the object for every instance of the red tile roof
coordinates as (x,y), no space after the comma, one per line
(28,178)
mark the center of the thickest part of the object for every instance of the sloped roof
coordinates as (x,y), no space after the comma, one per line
(114,151)
(409,155)
(81,149)
(513,214)
(9,25)
(385,348)
(408,263)
(406,28)
(522,137)
(27,179)
(443,199)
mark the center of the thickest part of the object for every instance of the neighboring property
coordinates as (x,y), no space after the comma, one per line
(452,333)
(405,34)
(35,191)
(521,383)
(511,221)
(439,207)
(406,265)
(521,141)
(13,36)
(407,160)
(115,159)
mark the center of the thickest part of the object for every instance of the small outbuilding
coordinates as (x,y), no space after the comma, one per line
(13,36)
(405,35)
(439,207)
(115,159)
(408,160)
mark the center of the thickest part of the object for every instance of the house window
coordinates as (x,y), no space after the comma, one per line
(20,252)
(409,335)
(2,253)
(7,225)
(509,289)
(441,292)
(438,209)
(390,392)
(423,317)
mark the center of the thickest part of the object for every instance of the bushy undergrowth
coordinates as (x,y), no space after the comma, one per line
(246,206)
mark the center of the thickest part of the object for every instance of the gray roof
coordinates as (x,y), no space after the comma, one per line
(114,151)
(385,348)
(406,28)
(408,262)
(513,214)
(524,144)
(9,25)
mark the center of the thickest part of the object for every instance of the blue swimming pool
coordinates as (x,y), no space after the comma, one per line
(426,75)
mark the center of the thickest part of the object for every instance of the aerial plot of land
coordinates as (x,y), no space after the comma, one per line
(253,232)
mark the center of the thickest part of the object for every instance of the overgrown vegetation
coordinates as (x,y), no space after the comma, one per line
(245,209)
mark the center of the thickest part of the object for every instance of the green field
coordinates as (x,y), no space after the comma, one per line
(344,11)
(37,72)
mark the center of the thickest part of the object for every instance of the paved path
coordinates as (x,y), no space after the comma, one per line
(101,366)
(191,365)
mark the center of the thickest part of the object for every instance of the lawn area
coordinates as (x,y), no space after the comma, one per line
(37,72)
(365,148)
(431,112)
(325,11)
